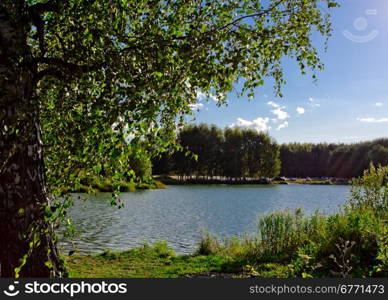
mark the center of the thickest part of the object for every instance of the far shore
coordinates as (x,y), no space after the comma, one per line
(160,182)
(181,180)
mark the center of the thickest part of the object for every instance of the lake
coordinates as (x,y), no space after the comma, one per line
(179,213)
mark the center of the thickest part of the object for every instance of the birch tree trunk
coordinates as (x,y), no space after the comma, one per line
(25,237)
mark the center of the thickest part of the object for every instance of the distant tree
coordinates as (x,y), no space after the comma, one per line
(140,163)
(270,165)
(260,155)
(162,163)
(214,152)
(233,156)
(378,155)
(234,153)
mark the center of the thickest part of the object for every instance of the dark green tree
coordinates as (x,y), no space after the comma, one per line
(233,156)
(333,160)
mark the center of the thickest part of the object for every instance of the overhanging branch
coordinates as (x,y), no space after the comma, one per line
(62,69)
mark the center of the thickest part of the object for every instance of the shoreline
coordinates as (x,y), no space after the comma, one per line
(172,180)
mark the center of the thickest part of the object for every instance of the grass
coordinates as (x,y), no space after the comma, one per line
(149,262)
(157,261)
(99,184)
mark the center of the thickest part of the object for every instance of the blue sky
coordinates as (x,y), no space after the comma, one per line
(348,103)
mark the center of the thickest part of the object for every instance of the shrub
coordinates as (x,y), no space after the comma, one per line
(208,245)
(382,257)
(371,190)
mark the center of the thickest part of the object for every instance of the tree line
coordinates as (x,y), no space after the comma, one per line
(332,160)
(208,151)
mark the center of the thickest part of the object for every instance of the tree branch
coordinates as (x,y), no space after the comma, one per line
(258,14)
(35,14)
(69,66)
(62,69)
(41,8)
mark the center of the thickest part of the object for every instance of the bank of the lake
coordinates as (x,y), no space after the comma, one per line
(142,262)
(158,261)
(351,243)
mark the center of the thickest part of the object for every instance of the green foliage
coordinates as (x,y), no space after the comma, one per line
(163,250)
(110,78)
(233,153)
(141,165)
(282,233)
(332,160)
(208,245)
(267,270)
(237,153)
(382,255)
(115,76)
(371,190)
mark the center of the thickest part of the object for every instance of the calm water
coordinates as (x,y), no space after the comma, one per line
(179,213)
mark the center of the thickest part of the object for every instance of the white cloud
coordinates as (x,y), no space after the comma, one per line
(278,111)
(300,110)
(259,124)
(283,125)
(379,104)
(273,104)
(373,120)
(204,96)
(313,102)
(196,106)
(280,114)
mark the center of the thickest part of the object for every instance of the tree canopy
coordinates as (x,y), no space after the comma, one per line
(113,68)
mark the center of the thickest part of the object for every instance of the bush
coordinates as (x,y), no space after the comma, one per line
(208,245)
(355,240)
(350,246)
(382,257)
(371,190)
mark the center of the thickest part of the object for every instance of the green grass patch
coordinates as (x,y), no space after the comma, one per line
(157,261)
